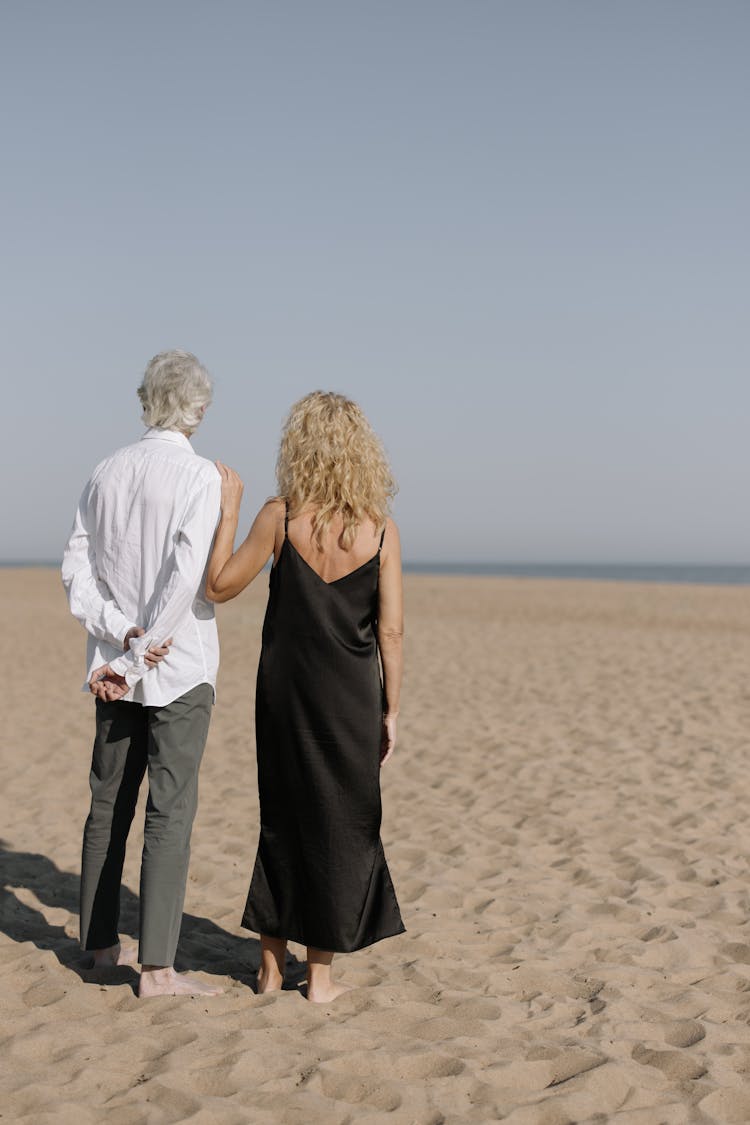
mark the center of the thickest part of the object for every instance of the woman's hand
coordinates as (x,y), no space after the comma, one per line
(388,740)
(231,490)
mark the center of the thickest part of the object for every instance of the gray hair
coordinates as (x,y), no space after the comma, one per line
(175,391)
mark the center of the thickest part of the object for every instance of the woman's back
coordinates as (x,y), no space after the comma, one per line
(321,614)
(332,561)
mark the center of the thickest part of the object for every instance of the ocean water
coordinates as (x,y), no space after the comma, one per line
(710,575)
(714,574)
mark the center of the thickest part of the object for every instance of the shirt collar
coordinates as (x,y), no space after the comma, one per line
(157,434)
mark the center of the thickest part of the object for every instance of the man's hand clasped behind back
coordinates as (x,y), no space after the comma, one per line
(110,686)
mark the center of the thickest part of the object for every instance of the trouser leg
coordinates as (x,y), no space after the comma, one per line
(176,740)
(117,767)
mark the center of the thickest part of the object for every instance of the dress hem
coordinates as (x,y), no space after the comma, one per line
(326,948)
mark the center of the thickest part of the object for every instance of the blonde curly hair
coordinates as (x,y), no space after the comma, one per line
(332,462)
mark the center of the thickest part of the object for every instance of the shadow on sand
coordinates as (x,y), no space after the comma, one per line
(203,946)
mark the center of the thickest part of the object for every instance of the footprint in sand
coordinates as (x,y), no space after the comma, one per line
(443,1029)
(730,1106)
(358,1090)
(657,933)
(541,1073)
(41,995)
(739,953)
(215,1081)
(673,1064)
(685,1033)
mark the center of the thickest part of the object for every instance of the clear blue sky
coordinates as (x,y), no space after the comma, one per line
(515,231)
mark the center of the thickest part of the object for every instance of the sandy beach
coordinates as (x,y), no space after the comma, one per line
(566,823)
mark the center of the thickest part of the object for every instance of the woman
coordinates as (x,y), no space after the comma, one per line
(324,721)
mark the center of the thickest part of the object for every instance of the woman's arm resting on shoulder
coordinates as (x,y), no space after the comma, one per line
(390,633)
(230,571)
(221,552)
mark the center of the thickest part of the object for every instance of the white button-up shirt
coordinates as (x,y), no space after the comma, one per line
(137,556)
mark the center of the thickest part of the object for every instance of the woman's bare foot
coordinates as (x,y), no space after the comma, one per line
(272,961)
(268,980)
(114,955)
(325,991)
(321,989)
(166,982)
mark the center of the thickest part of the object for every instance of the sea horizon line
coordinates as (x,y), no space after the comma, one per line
(715,573)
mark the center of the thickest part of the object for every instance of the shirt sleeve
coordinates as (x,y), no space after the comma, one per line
(186,572)
(89,597)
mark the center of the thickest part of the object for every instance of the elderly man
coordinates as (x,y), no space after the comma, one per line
(133,570)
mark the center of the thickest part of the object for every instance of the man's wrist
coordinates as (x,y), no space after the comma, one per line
(129,667)
(124,640)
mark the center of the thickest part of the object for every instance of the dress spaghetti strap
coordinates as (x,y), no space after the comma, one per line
(382,537)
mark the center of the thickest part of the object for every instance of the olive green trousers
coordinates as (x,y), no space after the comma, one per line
(168,743)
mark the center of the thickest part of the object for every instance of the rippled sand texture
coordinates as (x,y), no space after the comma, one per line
(566,824)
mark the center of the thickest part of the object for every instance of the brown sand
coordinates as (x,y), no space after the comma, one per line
(566,824)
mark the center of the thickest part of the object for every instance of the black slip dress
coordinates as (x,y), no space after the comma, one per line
(320,875)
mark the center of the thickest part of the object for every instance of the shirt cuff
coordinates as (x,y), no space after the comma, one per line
(131,667)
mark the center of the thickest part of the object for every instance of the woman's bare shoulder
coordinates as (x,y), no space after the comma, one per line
(391,538)
(271,514)
(274,508)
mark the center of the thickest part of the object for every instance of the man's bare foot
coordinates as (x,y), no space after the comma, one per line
(325,992)
(166,982)
(268,980)
(114,955)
